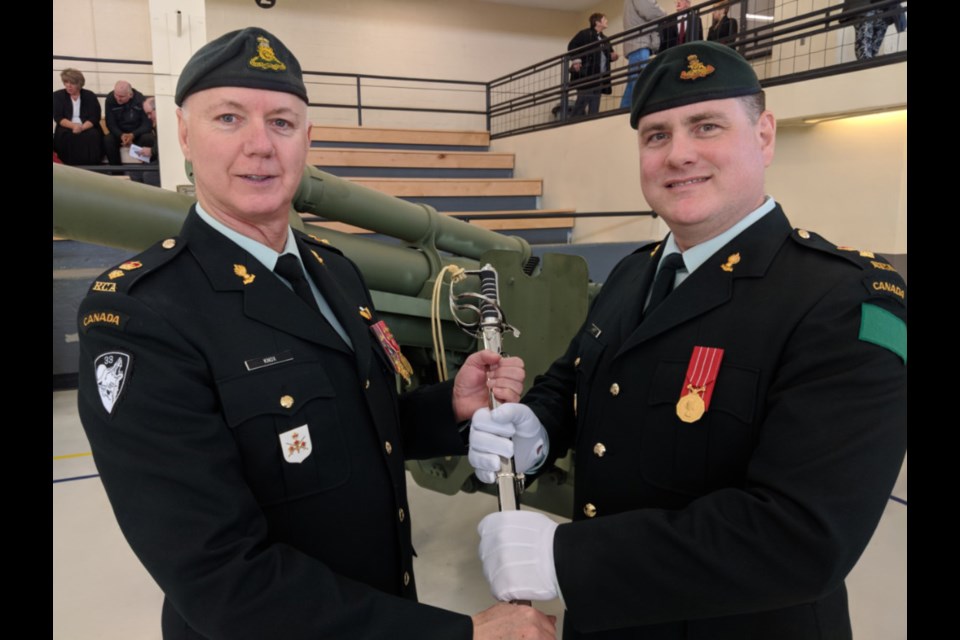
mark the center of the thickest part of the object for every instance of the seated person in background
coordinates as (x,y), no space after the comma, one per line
(125,120)
(148,141)
(723,28)
(77,138)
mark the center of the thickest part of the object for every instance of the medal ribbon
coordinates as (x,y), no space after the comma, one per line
(702,373)
(389,345)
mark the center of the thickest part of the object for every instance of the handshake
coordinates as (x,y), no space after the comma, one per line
(516,547)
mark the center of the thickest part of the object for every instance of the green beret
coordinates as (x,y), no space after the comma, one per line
(251,58)
(689,73)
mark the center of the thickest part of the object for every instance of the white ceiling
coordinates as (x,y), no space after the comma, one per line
(559,5)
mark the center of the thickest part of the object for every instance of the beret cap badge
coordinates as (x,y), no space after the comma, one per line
(266,58)
(696,69)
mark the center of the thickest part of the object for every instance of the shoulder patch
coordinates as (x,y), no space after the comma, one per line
(886,284)
(650,247)
(317,241)
(112,370)
(121,278)
(882,328)
(860,257)
(103,318)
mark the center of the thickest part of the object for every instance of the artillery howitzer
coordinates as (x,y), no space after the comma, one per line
(547,302)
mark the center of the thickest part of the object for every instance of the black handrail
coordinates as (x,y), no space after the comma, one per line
(752,43)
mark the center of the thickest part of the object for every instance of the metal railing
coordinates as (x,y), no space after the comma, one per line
(789,43)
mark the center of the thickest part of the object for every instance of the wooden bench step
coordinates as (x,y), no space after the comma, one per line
(409,159)
(428,187)
(400,136)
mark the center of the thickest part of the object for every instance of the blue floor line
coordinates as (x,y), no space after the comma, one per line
(92,475)
(900,500)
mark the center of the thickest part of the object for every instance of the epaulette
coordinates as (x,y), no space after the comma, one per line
(122,277)
(651,247)
(881,279)
(316,241)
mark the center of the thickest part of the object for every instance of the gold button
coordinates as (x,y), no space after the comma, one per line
(169,243)
(576,362)
(599,449)
(388,447)
(803,233)
(401,514)
(366,385)
(614,389)
(589,510)
(286,401)
(406,578)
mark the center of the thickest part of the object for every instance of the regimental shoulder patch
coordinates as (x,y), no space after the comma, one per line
(103,318)
(864,259)
(886,284)
(295,444)
(880,327)
(112,371)
(121,278)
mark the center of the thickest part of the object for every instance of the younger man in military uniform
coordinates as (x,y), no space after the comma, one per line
(736,399)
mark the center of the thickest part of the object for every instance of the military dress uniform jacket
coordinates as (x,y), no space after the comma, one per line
(744,523)
(254,462)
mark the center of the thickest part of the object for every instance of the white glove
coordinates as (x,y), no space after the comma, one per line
(516,549)
(490,439)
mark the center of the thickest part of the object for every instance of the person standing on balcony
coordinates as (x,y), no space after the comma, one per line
(723,28)
(688,27)
(640,47)
(592,73)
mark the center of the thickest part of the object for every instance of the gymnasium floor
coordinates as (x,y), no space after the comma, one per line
(100,591)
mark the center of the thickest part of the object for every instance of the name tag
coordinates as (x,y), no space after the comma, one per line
(267,361)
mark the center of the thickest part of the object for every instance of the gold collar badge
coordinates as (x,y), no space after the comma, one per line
(696,69)
(131,265)
(266,58)
(365,313)
(116,273)
(319,259)
(241,272)
(732,260)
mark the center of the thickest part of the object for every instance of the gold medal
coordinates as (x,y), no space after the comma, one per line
(690,407)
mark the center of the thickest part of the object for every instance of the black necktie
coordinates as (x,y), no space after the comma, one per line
(288,267)
(663,285)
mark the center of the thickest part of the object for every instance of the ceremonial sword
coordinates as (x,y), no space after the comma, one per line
(490,328)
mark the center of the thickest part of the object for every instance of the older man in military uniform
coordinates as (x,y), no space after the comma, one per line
(239,392)
(736,398)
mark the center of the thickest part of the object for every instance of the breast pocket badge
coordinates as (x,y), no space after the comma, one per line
(295,444)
